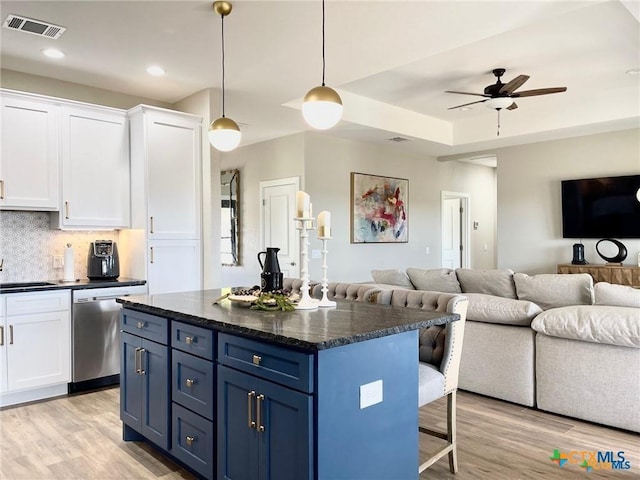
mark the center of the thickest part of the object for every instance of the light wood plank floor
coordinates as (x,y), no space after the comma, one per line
(79,437)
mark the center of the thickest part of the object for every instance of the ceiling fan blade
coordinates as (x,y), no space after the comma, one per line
(465,104)
(514,84)
(513,106)
(539,91)
(467,93)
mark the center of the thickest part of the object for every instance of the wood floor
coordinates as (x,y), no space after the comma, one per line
(79,437)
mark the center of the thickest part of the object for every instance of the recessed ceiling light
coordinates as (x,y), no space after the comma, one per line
(156,71)
(633,71)
(53,53)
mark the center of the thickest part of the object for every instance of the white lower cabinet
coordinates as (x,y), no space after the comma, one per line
(35,345)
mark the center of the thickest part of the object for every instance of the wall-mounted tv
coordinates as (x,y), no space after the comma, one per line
(607,207)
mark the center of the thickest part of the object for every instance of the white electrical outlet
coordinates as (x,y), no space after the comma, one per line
(428,250)
(58,262)
(370,394)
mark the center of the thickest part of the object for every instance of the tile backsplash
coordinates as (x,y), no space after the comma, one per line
(28,245)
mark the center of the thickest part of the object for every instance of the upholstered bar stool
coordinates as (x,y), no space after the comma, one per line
(440,353)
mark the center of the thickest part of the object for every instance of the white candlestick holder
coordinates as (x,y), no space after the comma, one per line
(325,302)
(304,224)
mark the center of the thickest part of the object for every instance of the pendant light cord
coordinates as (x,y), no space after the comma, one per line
(323,66)
(222,23)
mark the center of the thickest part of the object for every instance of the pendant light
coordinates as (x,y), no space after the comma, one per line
(322,106)
(224,133)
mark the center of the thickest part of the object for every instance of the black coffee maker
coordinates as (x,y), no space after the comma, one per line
(103,262)
(271,277)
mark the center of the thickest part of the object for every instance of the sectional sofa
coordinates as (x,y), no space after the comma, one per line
(551,341)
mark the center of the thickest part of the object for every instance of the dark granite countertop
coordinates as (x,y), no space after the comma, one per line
(79,284)
(309,330)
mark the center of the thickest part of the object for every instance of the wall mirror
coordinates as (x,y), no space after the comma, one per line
(230,208)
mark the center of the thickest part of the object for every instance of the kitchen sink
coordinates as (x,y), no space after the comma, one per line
(17,285)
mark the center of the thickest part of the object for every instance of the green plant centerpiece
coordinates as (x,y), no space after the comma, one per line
(276,300)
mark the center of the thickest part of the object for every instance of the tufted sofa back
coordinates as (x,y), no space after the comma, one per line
(357,292)
(439,345)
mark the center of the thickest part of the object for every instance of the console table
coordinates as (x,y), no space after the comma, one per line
(234,393)
(620,274)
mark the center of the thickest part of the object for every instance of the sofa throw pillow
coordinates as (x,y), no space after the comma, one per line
(391,277)
(500,310)
(435,280)
(491,282)
(591,323)
(552,290)
(618,295)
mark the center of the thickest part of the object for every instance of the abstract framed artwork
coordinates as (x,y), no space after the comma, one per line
(379,209)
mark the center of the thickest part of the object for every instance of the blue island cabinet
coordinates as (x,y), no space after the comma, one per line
(144,378)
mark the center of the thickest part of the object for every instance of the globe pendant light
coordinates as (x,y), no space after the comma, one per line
(224,133)
(322,106)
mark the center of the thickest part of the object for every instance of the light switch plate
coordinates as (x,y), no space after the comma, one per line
(370,394)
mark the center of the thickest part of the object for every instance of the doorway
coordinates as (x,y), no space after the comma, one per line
(278,200)
(456,248)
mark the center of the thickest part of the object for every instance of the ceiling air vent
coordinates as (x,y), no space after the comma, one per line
(36,27)
(399,139)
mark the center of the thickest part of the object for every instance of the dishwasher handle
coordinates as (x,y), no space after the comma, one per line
(99,299)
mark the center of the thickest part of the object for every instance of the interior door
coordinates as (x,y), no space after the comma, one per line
(451,238)
(278,198)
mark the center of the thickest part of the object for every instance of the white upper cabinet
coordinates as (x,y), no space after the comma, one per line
(95,168)
(166,156)
(29,167)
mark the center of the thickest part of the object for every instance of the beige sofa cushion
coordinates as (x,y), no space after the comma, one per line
(551,290)
(592,323)
(491,282)
(500,310)
(391,277)
(618,295)
(434,280)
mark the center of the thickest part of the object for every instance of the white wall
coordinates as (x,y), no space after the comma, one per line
(24,82)
(328,166)
(279,158)
(529,199)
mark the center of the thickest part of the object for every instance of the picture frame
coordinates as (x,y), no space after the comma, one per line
(379,212)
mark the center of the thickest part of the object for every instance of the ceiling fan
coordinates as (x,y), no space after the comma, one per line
(500,95)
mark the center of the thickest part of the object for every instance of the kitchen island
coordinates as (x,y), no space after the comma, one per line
(236,393)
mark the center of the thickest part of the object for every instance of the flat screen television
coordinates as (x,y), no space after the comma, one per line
(607,207)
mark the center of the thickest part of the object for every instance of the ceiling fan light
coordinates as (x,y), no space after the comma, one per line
(499,103)
(322,107)
(224,134)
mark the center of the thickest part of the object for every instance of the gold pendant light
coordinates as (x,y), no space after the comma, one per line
(322,106)
(224,133)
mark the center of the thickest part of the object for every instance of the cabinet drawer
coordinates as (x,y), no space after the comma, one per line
(287,367)
(193,440)
(191,339)
(193,383)
(145,326)
(38,302)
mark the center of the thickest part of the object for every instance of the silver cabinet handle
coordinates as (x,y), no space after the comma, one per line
(151,254)
(190,382)
(189,340)
(66,210)
(150,224)
(137,361)
(141,324)
(250,397)
(259,426)
(1,189)
(190,439)
(10,334)
(142,370)
(1,336)
(256,359)
(293,264)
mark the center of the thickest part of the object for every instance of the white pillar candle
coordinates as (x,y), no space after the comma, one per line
(302,204)
(324,224)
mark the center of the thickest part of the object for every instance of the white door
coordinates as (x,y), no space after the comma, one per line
(278,198)
(455,231)
(174,266)
(38,350)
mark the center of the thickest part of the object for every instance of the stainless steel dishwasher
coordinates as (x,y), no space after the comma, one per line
(96,336)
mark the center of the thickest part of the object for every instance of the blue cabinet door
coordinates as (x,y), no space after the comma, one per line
(155,393)
(264,429)
(144,388)
(130,381)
